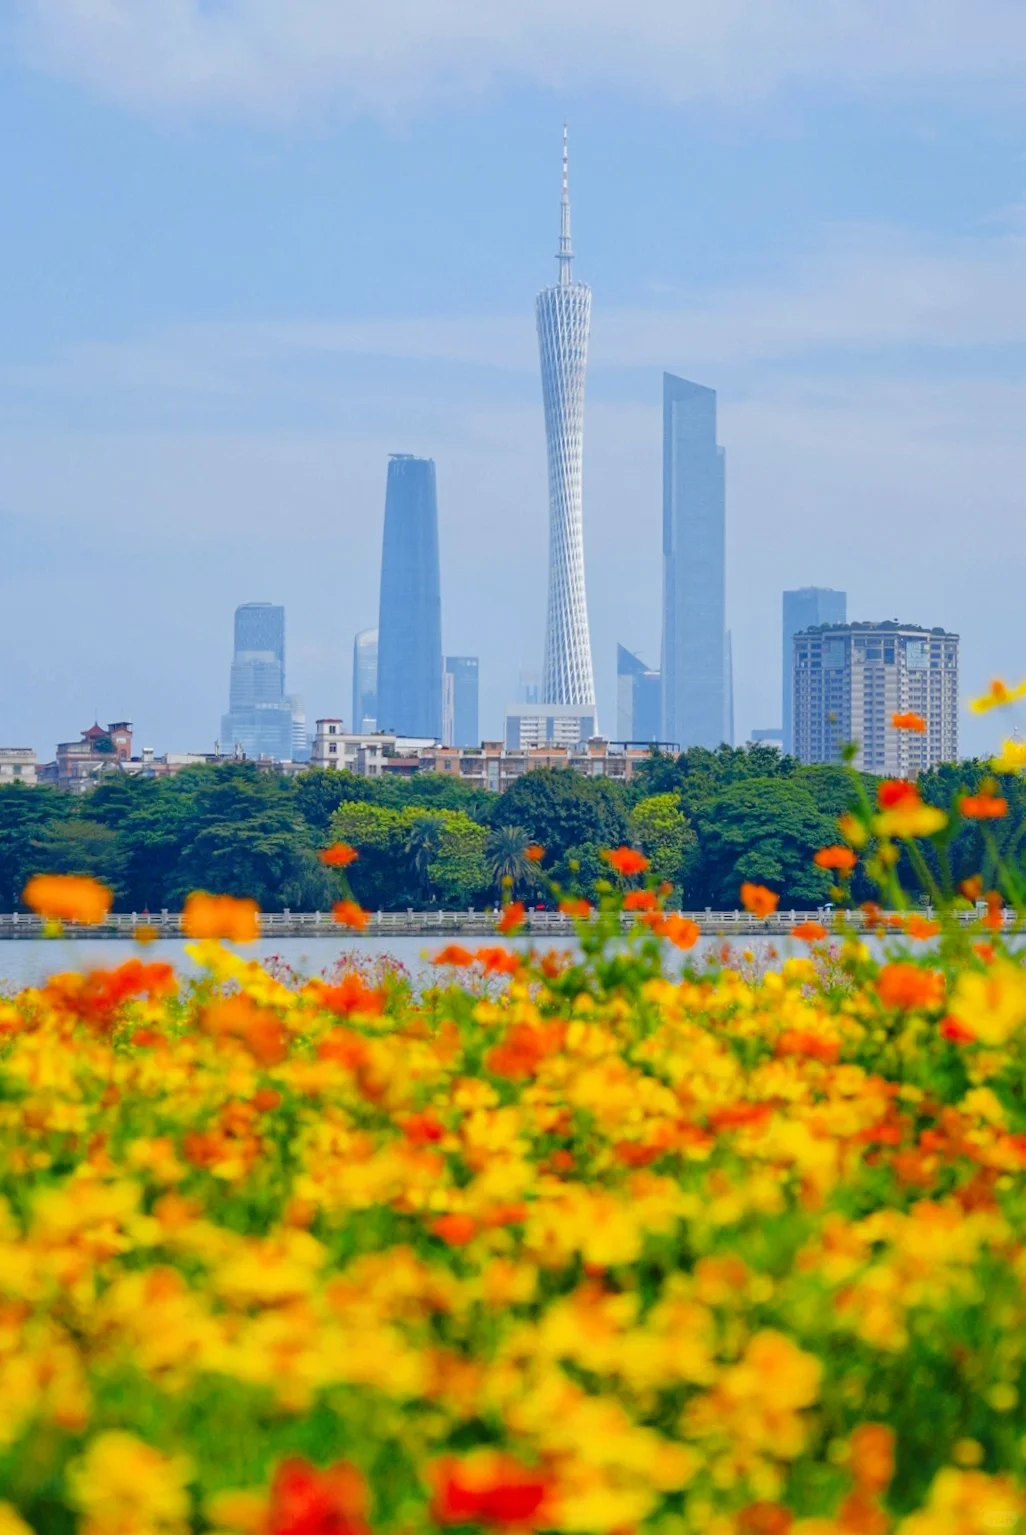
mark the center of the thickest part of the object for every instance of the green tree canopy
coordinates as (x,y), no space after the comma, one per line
(765,831)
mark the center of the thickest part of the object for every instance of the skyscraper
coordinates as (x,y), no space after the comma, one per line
(694,567)
(804,609)
(410,611)
(564,317)
(638,698)
(461,675)
(365,682)
(259,718)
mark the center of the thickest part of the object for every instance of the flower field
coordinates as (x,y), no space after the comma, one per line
(594,1243)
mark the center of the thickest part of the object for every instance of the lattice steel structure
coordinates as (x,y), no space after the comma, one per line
(564,318)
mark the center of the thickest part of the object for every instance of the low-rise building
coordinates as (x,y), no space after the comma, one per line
(17,765)
(79,765)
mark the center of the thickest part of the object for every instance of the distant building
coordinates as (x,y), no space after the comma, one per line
(804,609)
(728,688)
(638,698)
(259,719)
(410,612)
(365,680)
(361,753)
(694,663)
(849,680)
(460,722)
(300,741)
(773,735)
(548,725)
(17,765)
(81,764)
(529,688)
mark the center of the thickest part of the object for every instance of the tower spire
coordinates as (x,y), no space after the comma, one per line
(566,255)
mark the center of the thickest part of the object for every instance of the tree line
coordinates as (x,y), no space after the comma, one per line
(707,820)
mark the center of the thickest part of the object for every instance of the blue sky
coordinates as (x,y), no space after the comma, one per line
(251,246)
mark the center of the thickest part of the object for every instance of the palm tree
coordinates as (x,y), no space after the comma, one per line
(422,844)
(508,862)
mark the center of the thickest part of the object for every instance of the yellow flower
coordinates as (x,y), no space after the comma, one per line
(992,1003)
(910,820)
(123,1486)
(11,1522)
(1012,758)
(997,696)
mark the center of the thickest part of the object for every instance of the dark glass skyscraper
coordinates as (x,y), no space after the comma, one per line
(259,718)
(410,611)
(804,609)
(365,681)
(694,663)
(638,698)
(461,697)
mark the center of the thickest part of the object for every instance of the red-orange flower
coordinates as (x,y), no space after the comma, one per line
(809,932)
(488,1488)
(872,1457)
(837,857)
(758,900)
(534,853)
(921,927)
(909,721)
(258,1029)
(454,954)
(455,1229)
(972,888)
(351,995)
(908,988)
(512,917)
(626,860)
(68,898)
(983,806)
(498,961)
(573,907)
(304,1500)
(896,791)
(350,914)
(959,1033)
(220,916)
(640,900)
(682,932)
(339,856)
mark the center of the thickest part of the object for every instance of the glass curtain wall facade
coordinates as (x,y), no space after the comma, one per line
(410,610)
(638,698)
(564,319)
(365,682)
(804,608)
(463,672)
(694,660)
(259,718)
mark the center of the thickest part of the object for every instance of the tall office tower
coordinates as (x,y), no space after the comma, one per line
(300,739)
(728,688)
(694,567)
(638,698)
(410,611)
(851,679)
(564,316)
(804,609)
(259,718)
(365,682)
(462,691)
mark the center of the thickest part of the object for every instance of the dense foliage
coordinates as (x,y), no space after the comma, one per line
(708,821)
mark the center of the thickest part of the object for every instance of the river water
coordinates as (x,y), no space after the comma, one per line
(31,961)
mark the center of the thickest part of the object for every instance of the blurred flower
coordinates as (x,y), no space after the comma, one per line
(456,1230)
(488,1488)
(513,916)
(907,988)
(534,852)
(983,806)
(902,812)
(640,900)
(997,696)
(758,900)
(304,1500)
(571,906)
(840,858)
(809,932)
(123,1486)
(220,916)
(350,914)
(68,898)
(339,856)
(453,954)
(909,721)
(1012,758)
(626,860)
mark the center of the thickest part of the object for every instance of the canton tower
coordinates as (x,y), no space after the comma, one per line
(564,316)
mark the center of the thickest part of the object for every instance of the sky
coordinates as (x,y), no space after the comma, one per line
(251,247)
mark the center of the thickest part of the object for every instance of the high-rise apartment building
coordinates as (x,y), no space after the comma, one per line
(259,718)
(804,609)
(638,698)
(365,681)
(460,722)
(564,317)
(410,612)
(548,725)
(694,662)
(849,680)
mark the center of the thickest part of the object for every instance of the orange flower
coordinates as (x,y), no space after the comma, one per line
(958,1032)
(257,1028)
(758,900)
(903,813)
(498,961)
(454,954)
(339,856)
(872,1457)
(488,1488)
(809,932)
(535,853)
(983,807)
(909,721)
(640,900)
(304,1500)
(995,911)
(455,1230)
(972,888)
(572,907)
(921,927)
(350,914)
(68,898)
(351,995)
(681,931)
(907,988)
(220,916)
(837,857)
(626,860)
(512,917)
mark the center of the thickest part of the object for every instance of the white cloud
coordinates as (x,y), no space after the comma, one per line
(279,56)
